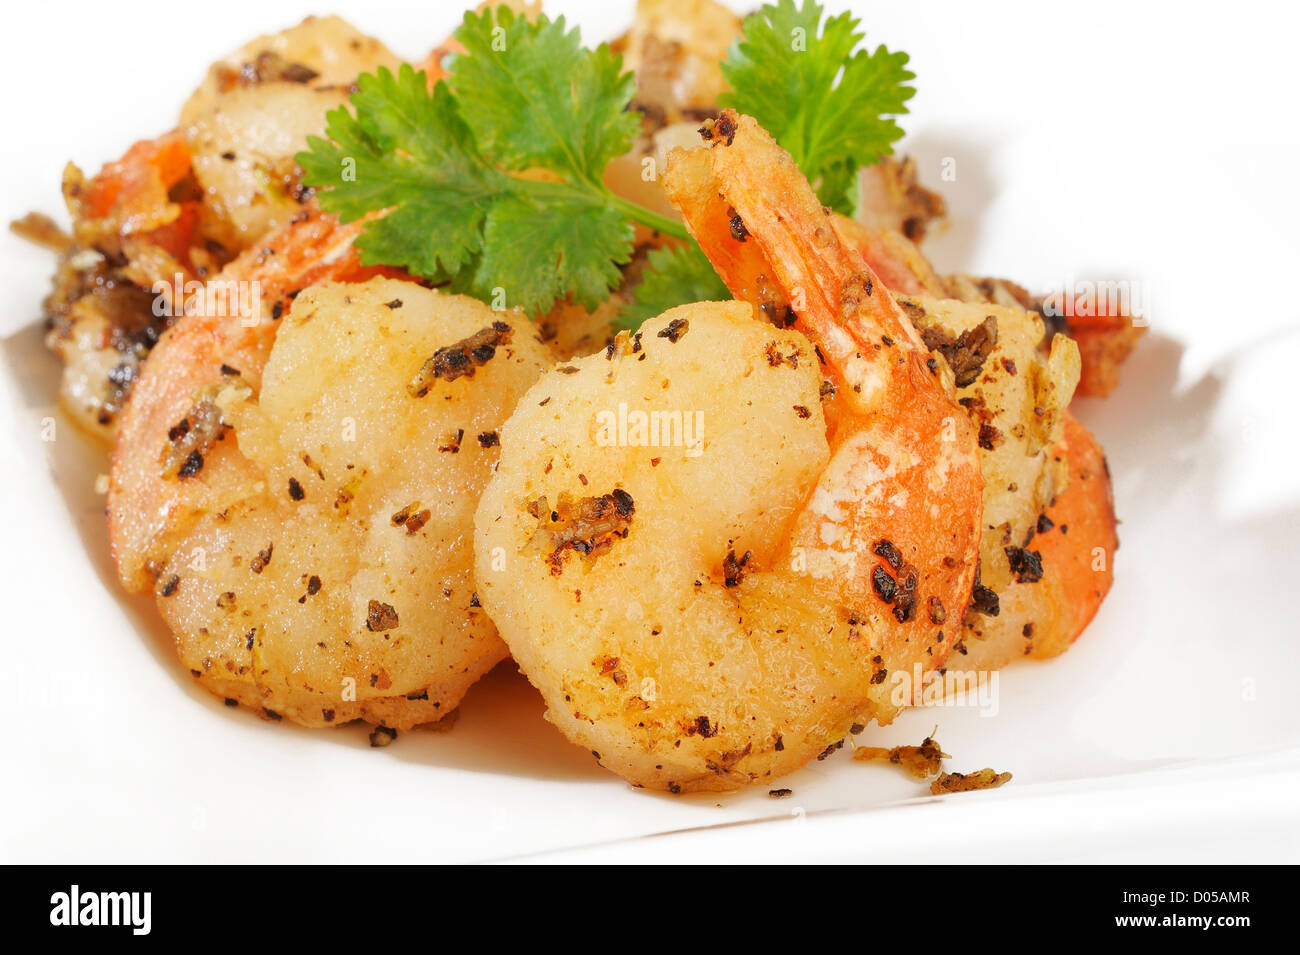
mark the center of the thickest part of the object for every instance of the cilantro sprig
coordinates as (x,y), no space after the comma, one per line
(492,180)
(827,101)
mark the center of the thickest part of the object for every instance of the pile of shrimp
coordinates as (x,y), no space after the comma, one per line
(712,544)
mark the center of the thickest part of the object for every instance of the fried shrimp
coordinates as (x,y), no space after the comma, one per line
(1044,473)
(299,496)
(710,546)
(1039,585)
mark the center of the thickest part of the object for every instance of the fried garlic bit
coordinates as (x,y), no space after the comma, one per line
(919,762)
(926,761)
(969,782)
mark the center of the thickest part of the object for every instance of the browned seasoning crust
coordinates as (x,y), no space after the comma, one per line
(589,525)
(193,436)
(967,352)
(267,66)
(460,359)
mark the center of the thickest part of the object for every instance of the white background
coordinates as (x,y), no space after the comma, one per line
(1142,141)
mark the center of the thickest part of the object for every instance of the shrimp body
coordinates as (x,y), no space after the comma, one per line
(1049,538)
(902,496)
(234,327)
(707,612)
(298,496)
(1039,584)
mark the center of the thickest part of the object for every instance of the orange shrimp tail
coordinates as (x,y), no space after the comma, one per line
(1080,546)
(132,191)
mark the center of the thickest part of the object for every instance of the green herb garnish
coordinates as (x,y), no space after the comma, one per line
(492,182)
(827,102)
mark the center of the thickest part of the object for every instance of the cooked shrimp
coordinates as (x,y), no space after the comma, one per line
(129,231)
(303,526)
(175,208)
(319,53)
(675,47)
(254,112)
(724,608)
(1040,585)
(144,503)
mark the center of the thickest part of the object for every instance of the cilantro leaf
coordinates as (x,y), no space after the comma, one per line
(438,186)
(540,246)
(535,97)
(675,276)
(456,171)
(824,100)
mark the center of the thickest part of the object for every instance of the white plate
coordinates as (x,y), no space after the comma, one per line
(1088,145)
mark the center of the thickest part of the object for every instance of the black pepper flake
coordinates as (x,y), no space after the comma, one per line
(1027,565)
(172,585)
(380,617)
(489,439)
(703,727)
(395,303)
(780,793)
(982,600)
(295,489)
(967,352)
(885,586)
(733,568)
(460,359)
(313,585)
(720,129)
(738,230)
(830,749)
(674,330)
(192,465)
(887,550)
(258,563)
(989,436)
(453,445)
